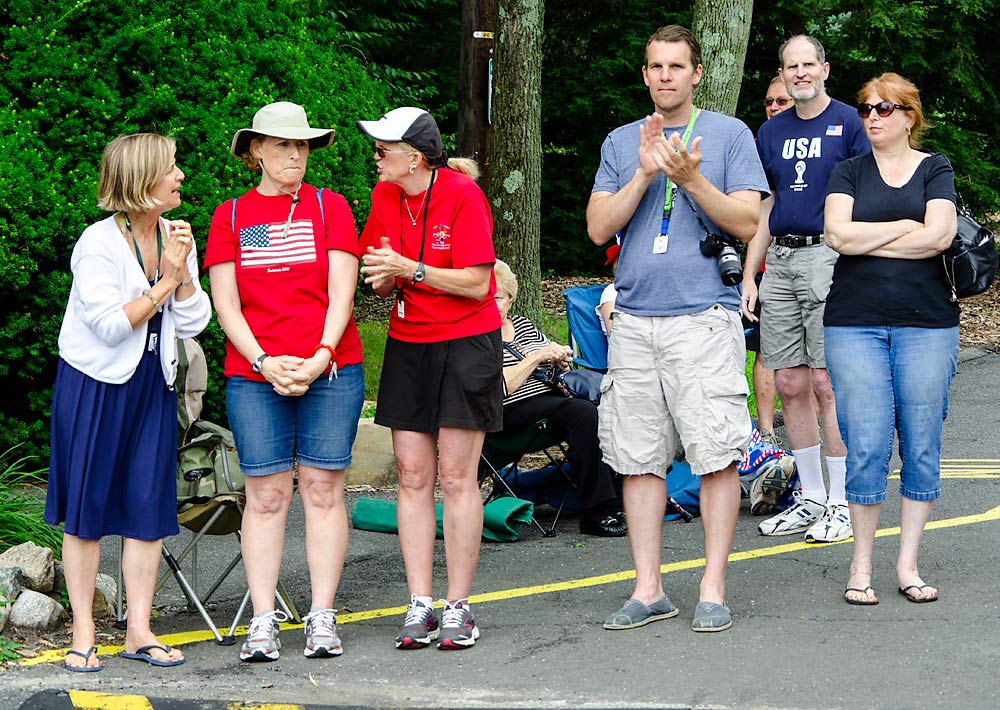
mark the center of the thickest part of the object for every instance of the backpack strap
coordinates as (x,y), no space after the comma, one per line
(233,223)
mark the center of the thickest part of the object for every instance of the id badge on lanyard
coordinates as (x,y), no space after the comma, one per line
(662,240)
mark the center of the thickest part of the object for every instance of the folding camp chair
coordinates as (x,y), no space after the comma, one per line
(590,345)
(210,496)
(502,453)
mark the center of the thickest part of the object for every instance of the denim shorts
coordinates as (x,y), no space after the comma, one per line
(316,429)
(889,380)
(677,379)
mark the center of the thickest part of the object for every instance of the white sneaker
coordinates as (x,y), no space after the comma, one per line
(796,519)
(834,526)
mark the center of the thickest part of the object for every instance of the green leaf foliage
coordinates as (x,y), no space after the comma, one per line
(74,76)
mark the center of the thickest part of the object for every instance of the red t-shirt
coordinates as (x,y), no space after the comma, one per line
(459,234)
(283,281)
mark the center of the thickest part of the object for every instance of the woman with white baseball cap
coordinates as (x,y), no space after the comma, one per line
(429,238)
(283,262)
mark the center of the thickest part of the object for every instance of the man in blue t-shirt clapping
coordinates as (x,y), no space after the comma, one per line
(676,354)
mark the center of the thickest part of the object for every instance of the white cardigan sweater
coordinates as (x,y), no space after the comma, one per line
(96,337)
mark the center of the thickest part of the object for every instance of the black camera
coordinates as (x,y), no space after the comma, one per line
(724,248)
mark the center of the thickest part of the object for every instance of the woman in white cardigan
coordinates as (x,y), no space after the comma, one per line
(114,408)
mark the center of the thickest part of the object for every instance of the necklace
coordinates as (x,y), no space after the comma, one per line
(413,218)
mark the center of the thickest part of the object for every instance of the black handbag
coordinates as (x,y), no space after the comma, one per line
(970,263)
(582,384)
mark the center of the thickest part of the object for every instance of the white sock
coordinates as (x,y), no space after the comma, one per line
(836,468)
(807,462)
(426,601)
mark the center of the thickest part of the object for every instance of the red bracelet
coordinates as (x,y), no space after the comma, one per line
(333,353)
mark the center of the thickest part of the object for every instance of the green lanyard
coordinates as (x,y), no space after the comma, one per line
(159,249)
(668,201)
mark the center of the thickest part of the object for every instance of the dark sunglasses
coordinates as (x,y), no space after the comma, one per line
(382,152)
(883,109)
(780,101)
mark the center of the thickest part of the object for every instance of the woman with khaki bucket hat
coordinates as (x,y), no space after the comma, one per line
(283,262)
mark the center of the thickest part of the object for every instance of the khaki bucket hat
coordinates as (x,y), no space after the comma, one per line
(282,119)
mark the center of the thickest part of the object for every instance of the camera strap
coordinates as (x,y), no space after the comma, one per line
(697,212)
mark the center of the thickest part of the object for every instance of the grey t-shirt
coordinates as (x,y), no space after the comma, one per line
(682,280)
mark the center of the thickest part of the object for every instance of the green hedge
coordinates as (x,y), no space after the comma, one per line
(73,76)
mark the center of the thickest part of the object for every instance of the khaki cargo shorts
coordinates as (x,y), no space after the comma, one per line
(793,297)
(674,380)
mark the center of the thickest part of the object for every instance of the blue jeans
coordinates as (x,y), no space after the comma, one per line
(317,429)
(891,379)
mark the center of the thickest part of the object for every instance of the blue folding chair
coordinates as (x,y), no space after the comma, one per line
(590,345)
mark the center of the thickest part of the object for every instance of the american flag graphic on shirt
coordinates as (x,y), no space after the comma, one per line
(263,245)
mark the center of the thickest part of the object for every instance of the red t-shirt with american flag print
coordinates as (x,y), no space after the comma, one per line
(459,234)
(283,278)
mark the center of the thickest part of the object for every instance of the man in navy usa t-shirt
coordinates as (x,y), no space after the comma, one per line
(799,150)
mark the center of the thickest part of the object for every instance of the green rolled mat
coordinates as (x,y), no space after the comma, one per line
(503,518)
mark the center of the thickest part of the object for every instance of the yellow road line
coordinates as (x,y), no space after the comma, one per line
(188,637)
(89,700)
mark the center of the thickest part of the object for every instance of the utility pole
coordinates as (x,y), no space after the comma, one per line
(475,84)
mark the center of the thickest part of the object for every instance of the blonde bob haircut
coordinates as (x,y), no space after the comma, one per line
(506,281)
(130,168)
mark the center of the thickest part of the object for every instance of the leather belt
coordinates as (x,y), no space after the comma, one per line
(798,240)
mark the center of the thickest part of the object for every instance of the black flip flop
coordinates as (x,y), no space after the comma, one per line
(143,654)
(860,602)
(905,591)
(86,657)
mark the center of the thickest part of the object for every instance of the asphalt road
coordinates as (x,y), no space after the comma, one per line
(541,601)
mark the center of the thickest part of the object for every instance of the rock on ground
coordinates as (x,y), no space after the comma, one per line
(37,565)
(36,611)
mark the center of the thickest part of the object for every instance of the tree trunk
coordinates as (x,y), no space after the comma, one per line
(723,28)
(474,131)
(516,152)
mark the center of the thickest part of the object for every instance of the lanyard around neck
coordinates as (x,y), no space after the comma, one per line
(423,231)
(138,254)
(668,201)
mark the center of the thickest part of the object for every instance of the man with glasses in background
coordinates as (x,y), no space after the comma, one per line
(777,99)
(799,149)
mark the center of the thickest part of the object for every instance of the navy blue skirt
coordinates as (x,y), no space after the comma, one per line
(114,454)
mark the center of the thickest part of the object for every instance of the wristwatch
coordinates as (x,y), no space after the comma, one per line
(418,274)
(256,364)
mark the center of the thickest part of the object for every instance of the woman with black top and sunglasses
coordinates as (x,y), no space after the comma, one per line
(891,327)
(429,238)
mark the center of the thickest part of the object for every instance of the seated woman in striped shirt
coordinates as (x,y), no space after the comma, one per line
(528,399)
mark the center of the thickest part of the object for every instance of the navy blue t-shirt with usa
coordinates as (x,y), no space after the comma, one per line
(799,155)
(874,290)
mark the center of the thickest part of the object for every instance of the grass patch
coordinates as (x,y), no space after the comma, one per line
(373,334)
(22,504)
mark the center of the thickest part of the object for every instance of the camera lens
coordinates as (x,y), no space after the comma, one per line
(730,269)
